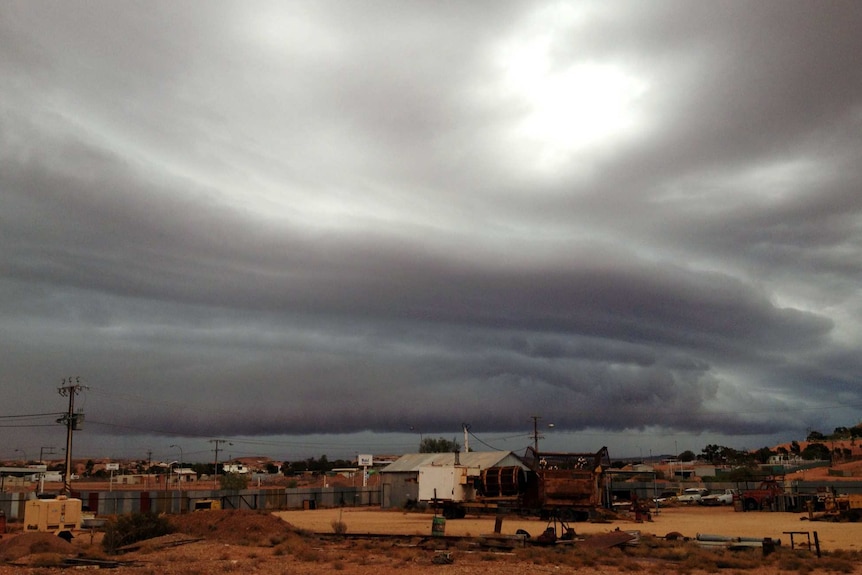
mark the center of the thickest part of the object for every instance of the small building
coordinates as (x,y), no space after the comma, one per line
(347,472)
(707,470)
(186,474)
(400,479)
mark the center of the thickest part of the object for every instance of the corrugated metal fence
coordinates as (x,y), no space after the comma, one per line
(120,502)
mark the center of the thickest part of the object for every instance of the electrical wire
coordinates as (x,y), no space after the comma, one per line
(32,415)
(31,425)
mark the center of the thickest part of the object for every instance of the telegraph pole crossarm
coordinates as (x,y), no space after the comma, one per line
(70,388)
(215,467)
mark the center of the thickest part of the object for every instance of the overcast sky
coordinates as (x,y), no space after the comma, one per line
(332,227)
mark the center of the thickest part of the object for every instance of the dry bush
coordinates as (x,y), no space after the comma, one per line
(275,539)
(742,560)
(338,527)
(836,565)
(297,547)
(46,560)
(308,554)
(126,529)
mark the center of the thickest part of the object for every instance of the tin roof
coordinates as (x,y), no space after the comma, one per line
(411,462)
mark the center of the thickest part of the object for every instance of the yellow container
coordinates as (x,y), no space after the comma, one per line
(52,515)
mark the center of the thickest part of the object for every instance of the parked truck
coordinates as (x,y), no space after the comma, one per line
(725,497)
(566,485)
(764,497)
(692,495)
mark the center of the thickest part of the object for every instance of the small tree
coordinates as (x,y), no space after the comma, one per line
(234,481)
(440,445)
(712,453)
(687,456)
(763,454)
(816,451)
(742,473)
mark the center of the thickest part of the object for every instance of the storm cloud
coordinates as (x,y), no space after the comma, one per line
(356,222)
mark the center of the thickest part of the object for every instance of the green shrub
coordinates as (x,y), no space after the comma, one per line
(234,481)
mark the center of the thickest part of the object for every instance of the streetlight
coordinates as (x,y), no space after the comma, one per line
(421,439)
(536,435)
(170,472)
(42,450)
(24,453)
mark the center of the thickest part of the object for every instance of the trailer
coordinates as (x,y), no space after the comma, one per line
(569,486)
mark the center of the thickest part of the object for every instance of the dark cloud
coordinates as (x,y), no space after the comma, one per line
(324,227)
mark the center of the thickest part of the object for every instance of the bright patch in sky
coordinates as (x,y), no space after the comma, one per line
(569,109)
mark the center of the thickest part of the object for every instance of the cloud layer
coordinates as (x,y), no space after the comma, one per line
(281,220)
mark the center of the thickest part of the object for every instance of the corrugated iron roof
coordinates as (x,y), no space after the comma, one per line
(411,462)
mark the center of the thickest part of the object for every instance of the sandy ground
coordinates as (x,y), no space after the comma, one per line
(258,542)
(688,521)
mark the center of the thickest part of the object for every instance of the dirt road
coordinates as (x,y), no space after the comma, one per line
(689,521)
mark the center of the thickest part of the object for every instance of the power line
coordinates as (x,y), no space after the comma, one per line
(55,414)
(31,425)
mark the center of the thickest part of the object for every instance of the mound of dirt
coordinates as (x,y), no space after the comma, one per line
(232,525)
(14,548)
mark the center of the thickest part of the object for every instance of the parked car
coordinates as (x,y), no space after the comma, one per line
(692,495)
(666,498)
(723,498)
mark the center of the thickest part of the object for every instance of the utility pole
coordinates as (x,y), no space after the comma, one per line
(536,435)
(466,437)
(150,466)
(215,467)
(70,388)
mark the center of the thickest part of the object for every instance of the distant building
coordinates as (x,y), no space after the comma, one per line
(785,459)
(400,479)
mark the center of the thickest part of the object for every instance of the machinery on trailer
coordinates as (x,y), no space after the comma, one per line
(841,508)
(570,486)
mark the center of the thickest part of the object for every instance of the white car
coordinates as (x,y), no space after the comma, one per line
(692,495)
(666,498)
(724,498)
